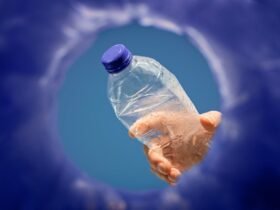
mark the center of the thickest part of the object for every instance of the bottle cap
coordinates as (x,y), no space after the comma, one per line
(116,58)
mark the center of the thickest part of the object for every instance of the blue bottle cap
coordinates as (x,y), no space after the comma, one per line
(116,58)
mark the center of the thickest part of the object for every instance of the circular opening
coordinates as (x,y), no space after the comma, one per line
(92,136)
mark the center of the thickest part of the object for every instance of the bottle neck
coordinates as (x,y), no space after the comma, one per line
(124,71)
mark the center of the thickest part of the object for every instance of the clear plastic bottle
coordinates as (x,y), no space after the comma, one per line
(138,86)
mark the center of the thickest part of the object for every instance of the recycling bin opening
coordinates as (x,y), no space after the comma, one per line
(92,136)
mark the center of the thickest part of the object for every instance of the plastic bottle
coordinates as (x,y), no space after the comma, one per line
(139,86)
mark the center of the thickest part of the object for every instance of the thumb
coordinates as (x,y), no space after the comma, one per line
(210,120)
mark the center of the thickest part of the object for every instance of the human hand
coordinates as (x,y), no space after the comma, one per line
(183,142)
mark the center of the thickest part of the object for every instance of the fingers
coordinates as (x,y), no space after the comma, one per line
(161,166)
(170,178)
(210,120)
(157,161)
(152,121)
(161,176)
(174,175)
(155,158)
